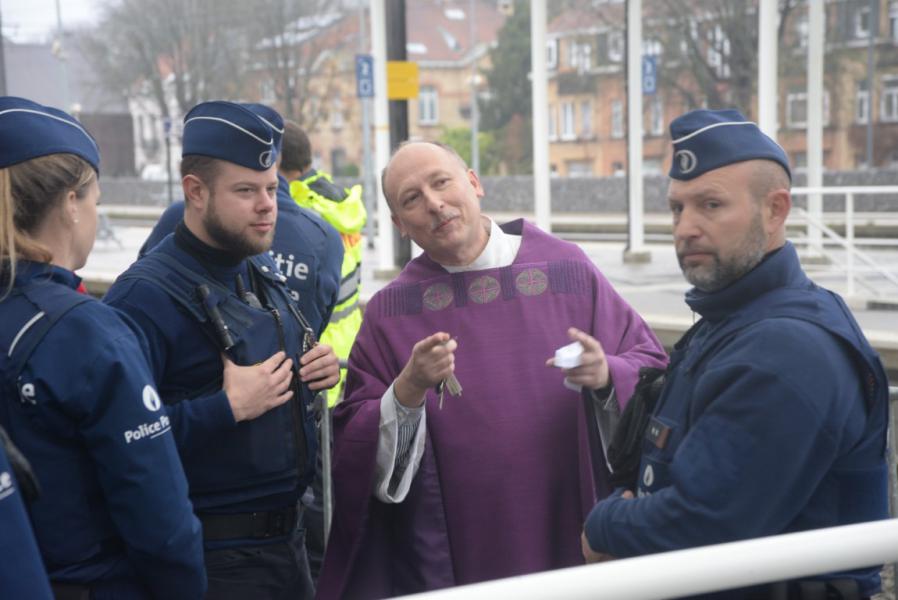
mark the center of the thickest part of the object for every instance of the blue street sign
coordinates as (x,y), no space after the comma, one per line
(649,74)
(364,75)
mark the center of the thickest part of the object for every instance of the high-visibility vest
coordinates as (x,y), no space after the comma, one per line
(344,209)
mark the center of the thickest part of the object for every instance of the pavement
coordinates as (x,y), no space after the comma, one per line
(655,288)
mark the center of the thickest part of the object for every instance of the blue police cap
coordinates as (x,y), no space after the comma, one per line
(272,118)
(29,130)
(704,140)
(231,132)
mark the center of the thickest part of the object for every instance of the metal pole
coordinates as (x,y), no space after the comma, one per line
(396,50)
(816,21)
(475,110)
(168,173)
(327,485)
(66,95)
(542,192)
(871,66)
(369,187)
(2,57)
(849,240)
(768,18)
(635,251)
(381,131)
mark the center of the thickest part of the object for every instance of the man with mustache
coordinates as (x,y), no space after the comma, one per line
(773,417)
(234,358)
(434,489)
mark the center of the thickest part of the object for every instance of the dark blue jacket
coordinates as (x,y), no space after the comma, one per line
(255,465)
(22,573)
(83,409)
(306,248)
(773,420)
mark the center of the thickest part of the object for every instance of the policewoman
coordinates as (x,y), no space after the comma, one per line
(233,356)
(76,394)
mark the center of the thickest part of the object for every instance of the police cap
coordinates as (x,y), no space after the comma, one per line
(29,130)
(231,132)
(704,140)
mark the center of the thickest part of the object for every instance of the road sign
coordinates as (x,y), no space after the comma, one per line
(364,75)
(402,80)
(649,74)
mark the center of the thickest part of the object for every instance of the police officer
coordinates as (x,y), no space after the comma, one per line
(344,209)
(22,573)
(773,417)
(307,250)
(236,361)
(76,393)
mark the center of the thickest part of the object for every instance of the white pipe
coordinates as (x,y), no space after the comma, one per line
(636,227)
(700,570)
(815,117)
(540,100)
(768,20)
(381,133)
(849,239)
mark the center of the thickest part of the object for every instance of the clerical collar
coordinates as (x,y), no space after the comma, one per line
(500,251)
(203,252)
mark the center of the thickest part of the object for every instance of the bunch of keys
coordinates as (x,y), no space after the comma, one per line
(451,384)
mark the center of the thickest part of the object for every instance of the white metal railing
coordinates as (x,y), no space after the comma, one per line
(709,568)
(700,570)
(848,241)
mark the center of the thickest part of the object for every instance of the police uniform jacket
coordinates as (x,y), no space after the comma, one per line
(773,420)
(256,465)
(85,412)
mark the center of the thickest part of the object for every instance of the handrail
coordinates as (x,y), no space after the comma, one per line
(700,570)
(708,568)
(847,242)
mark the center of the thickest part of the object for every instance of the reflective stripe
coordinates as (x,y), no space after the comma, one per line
(344,312)
(22,331)
(350,285)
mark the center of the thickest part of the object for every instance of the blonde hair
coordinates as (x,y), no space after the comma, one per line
(29,191)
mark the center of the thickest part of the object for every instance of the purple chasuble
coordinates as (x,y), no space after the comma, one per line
(511,467)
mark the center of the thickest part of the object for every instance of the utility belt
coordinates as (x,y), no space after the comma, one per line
(127,590)
(260,525)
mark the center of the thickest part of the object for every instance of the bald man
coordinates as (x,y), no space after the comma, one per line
(435,489)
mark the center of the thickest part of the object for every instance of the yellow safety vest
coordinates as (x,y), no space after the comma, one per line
(344,209)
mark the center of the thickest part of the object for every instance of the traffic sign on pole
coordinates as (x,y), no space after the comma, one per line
(364,75)
(649,74)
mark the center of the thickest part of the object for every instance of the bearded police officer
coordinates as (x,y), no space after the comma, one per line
(773,417)
(235,360)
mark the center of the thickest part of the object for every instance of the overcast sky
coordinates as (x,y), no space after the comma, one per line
(31,20)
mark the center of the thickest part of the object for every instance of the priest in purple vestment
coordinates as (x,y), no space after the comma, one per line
(433,489)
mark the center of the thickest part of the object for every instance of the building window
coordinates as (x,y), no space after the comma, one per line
(719,52)
(617,119)
(552,54)
(616,46)
(888,104)
(862,22)
(861,103)
(797,109)
(579,168)
(567,121)
(656,116)
(266,91)
(893,21)
(586,119)
(651,47)
(801,31)
(428,105)
(337,114)
(585,58)
(553,122)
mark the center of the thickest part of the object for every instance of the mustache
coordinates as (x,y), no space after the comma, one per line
(442,220)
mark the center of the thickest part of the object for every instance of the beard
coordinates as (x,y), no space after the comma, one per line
(239,243)
(722,271)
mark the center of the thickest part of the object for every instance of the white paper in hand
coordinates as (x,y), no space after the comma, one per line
(570,356)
